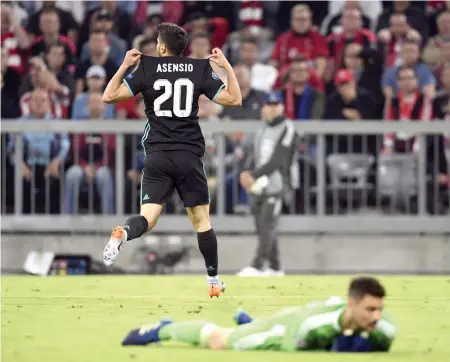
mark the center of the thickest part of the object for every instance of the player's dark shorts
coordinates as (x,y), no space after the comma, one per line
(165,171)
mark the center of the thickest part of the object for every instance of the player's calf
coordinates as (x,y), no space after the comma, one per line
(206,237)
(197,333)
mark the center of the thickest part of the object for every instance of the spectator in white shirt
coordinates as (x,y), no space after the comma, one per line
(263,76)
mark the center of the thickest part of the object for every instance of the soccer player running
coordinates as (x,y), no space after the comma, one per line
(357,325)
(173,142)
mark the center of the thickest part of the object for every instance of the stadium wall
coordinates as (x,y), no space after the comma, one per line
(316,254)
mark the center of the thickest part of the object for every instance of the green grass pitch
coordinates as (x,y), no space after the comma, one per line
(83,319)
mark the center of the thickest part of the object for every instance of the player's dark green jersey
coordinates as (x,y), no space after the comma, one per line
(312,327)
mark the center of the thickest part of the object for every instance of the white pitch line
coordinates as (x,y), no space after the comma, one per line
(186,297)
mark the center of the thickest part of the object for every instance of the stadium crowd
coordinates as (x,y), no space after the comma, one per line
(352,60)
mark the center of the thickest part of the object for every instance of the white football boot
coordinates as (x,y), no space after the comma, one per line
(116,242)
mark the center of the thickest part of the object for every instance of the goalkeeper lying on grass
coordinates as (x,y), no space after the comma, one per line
(359,325)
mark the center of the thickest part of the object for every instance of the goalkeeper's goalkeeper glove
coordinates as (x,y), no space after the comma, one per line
(349,342)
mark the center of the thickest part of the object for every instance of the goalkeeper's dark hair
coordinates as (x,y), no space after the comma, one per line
(360,287)
(173,37)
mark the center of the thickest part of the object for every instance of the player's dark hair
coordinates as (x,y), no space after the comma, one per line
(173,37)
(360,287)
(201,36)
(146,41)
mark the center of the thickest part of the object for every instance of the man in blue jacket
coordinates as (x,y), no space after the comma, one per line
(44,157)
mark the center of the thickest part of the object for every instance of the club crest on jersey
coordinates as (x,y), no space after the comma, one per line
(214,75)
(130,76)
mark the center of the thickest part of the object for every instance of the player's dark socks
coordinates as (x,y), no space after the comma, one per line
(207,243)
(135,226)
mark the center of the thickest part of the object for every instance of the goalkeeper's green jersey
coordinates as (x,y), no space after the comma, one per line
(311,327)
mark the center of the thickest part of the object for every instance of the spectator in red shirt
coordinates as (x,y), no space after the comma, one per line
(395,36)
(93,161)
(126,109)
(409,105)
(14,39)
(10,78)
(301,40)
(251,14)
(50,27)
(352,32)
(216,27)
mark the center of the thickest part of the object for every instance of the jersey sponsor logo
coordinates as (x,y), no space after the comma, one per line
(130,76)
(214,75)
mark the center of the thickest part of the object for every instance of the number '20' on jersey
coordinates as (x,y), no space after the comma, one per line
(171,87)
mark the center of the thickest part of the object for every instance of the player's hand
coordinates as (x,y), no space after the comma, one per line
(132,57)
(53,168)
(89,172)
(218,58)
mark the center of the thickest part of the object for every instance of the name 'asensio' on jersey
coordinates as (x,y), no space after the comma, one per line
(171,67)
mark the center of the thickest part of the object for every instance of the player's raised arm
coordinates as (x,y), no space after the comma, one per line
(117,91)
(231,94)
